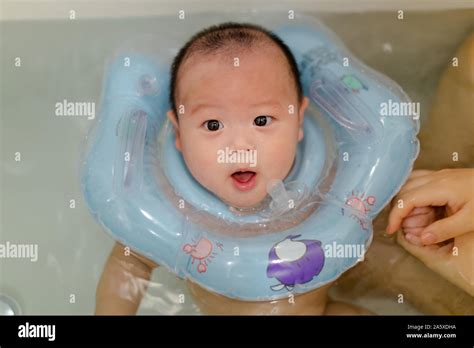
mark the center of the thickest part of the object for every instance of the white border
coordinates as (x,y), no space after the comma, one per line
(88,9)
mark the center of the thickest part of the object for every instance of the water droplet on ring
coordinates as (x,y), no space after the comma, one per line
(147,85)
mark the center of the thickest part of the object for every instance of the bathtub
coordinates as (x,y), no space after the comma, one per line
(49,57)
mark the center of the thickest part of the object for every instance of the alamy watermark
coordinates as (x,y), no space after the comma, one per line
(237,156)
(393,108)
(344,250)
(84,109)
(19,251)
(28,330)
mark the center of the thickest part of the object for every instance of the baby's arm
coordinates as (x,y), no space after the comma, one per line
(123,282)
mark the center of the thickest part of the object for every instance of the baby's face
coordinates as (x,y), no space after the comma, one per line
(241,122)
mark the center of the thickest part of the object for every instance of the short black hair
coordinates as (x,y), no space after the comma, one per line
(220,37)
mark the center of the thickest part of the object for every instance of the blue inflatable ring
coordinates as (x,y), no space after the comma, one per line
(138,187)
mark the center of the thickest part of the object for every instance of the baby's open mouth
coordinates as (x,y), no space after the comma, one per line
(243,176)
(244,180)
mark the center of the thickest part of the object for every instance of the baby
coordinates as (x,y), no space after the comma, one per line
(234,87)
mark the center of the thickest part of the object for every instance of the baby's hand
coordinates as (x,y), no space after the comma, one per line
(415,223)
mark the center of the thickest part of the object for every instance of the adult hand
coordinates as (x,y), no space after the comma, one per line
(451,189)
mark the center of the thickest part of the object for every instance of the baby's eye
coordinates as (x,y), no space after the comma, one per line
(261,121)
(213,125)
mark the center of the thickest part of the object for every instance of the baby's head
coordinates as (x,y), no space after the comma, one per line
(237,109)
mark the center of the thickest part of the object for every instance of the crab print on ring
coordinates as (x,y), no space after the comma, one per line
(361,205)
(203,251)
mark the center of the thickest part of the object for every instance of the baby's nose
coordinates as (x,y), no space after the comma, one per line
(242,144)
(242,141)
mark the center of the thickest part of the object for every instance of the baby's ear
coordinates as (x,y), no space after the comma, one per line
(302,110)
(174,121)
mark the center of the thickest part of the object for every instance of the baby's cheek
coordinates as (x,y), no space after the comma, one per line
(279,160)
(201,161)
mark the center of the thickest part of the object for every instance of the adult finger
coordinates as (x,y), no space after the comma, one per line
(420,172)
(447,228)
(420,197)
(413,176)
(414,183)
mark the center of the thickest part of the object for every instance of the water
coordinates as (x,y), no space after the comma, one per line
(41,199)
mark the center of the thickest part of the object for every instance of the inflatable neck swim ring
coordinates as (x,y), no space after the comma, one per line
(313,227)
